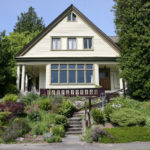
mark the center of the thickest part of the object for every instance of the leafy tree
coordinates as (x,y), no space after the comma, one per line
(132,19)
(29,21)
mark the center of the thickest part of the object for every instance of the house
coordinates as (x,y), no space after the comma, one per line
(70,53)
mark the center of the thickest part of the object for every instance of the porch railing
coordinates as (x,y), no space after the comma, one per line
(90,92)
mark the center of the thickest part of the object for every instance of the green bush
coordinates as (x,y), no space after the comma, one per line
(45,104)
(54,139)
(127,134)
(58,130)
(40,128)
(98,116)
(67,108)
(127,117)
(18,128)
(34,115)
(87,136)
(11,89)
(4,117)
(61,120)
(28,99)
(10,97)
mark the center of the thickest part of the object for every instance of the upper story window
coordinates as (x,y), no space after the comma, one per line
(55,43)
(72,17)
(87,43)
(72,43)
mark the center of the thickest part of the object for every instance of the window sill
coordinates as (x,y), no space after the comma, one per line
(72,50)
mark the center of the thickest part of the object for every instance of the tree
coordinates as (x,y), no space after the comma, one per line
(132,19)
(29,21)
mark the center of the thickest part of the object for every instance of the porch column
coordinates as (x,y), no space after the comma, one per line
(47,75)
(26,83)
(18,77)
(121,81)
(23,79)
(96,69)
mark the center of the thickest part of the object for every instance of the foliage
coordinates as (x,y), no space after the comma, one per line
(58,130)
(29,21)
(19,127)
(61,120)
(87,136)
(4,117)
(28,99)
(98,116)
(16,109)
(10,97)
(54,139)
(127,117)
(127,134)
(67,108)
(132,19)
(34,115)
(11,88)
(45,104)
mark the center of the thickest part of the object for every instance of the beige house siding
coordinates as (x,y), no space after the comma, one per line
(78,29)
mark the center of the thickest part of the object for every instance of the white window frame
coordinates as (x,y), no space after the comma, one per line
(57,46)
(88,42)
(72,44)
(71,15)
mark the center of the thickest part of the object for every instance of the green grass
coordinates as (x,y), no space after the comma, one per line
(127,134)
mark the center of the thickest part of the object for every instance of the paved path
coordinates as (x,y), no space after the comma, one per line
(77,146)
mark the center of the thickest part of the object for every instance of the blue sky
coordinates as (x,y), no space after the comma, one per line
(98,11)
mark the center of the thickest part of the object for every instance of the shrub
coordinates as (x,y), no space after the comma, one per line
(10,97)
(29,98)
(40,128)
(98,116)
(19,127)
(127,117)
(67,108)
(16,109)
(58,130)
(4,117)
(87,136)
(45,104)
(11,88)
(34,115)
(54,139)
(61,120)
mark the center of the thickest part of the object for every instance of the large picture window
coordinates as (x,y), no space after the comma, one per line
(72,73)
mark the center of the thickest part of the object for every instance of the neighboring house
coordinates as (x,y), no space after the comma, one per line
(70,53)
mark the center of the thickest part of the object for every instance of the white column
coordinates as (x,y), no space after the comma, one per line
(23,79)
(96,72)
(47,75)
(120,81)
(26,83)
(18,77)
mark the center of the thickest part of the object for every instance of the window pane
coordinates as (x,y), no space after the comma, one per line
(73,43)
(69,44)
(85,43)
(73,17)
(63,76)
(80,66)
(89,66)
(89,74)
(90,43)
(56,43)
(72,76)
(54,66)
(72,66)
(69,17)
(80,76)
(54,76)
(63,66)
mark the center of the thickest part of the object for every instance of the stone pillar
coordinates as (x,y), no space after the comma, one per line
(96,72)
(18,77)
(23,79)
(47,75)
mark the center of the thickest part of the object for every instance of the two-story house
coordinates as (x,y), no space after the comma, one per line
(70,53)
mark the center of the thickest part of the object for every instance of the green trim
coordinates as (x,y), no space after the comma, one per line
(59,59)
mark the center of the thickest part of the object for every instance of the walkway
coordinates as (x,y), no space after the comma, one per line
(77,146)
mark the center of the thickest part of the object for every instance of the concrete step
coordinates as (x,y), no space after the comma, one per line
(71,139)
(74,129)
(73,132)
(75,125)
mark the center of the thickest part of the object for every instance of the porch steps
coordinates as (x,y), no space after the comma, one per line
(75,124)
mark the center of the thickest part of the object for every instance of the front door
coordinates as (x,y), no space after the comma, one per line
(105,78)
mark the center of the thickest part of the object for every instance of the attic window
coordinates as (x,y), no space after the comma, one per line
(71,17)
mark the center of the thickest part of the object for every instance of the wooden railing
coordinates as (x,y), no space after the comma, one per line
(90,92)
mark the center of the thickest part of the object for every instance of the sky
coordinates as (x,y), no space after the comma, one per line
(98,11)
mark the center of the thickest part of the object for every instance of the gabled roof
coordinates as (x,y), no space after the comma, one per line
(56,21)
